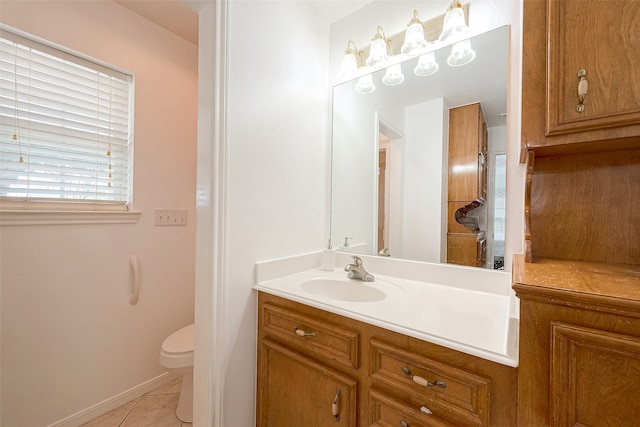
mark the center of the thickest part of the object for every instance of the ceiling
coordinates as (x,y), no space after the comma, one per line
(334,10)
(172,15)
(178,16)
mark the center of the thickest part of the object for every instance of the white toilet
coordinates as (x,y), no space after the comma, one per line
(177,357)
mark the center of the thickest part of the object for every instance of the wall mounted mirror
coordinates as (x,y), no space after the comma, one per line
(394,170)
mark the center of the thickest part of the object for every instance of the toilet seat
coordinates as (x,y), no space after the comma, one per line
(177,349)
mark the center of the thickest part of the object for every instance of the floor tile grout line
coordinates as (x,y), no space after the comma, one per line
(130,411)
(153,394)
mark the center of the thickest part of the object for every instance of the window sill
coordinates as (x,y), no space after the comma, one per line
(51,217)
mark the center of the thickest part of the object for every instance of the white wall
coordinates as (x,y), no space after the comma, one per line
(70,338)
(277,147)
(274,192)
(427,130)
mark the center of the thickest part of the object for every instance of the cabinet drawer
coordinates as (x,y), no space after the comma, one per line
(457,395)
(324,340)
(385,411)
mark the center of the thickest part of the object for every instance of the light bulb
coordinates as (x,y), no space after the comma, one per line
(350,59)
(378,56)
(349,65)
(365,84)
(454,27)
(461,54)
(427,65)
(393,76)
(414,41)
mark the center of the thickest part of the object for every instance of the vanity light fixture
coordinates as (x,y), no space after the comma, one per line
(378,55)
(454,27)
(427,65)
(365,84)
(393,76)
(352,59)
(414,41)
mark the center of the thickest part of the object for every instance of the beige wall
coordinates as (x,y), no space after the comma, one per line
(70,338)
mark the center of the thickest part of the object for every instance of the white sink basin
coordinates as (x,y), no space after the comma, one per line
(350,290)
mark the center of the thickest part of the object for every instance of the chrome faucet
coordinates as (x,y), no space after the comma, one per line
(356,271)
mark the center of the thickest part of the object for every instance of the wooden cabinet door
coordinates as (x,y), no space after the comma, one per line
(600,37)
(296,391)
(595,377)
(466,130)
(462,249)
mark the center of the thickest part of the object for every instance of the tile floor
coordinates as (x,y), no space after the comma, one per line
(154,409)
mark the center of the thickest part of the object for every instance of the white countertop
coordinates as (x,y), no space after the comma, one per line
(480,322)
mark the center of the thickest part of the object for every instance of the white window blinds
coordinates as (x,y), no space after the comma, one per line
(65,126)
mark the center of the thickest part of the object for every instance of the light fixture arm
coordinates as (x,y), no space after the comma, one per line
(350,49)
(415,19)
(381,35)
(453,5)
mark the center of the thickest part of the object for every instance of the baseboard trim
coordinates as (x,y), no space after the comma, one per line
(114,402)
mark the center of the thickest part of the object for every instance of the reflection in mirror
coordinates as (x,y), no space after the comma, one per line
(409,159)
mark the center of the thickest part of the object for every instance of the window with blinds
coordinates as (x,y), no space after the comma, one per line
(65,127)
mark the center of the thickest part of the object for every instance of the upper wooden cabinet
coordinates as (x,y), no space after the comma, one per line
(467,154)
(467,183)
(594,38)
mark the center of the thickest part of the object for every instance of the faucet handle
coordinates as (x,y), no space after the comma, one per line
(357,260)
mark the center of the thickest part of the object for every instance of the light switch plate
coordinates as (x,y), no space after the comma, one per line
(170,217)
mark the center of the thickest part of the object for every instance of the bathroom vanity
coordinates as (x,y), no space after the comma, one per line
(580,342)
(367,375)
(579,279)
(404,353)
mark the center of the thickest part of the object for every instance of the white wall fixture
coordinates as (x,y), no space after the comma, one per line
(461,54)
(393,76)
(351,60)
(427,65)
(378,55)
(381,52)
(454,27)
(414,41)
(135,272)
(365,85)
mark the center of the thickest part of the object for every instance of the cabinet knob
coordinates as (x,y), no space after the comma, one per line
(422,381)
(583,87)
(302,333)
(403,423)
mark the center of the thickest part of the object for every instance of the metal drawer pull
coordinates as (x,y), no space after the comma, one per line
(423,382)
(583,87)
(335,406)
(426,410)
(483,158)
(303,333)
(403,423)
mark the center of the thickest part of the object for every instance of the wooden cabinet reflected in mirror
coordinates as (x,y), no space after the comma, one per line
(467,186)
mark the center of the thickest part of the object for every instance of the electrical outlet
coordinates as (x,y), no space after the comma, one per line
(170,217)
